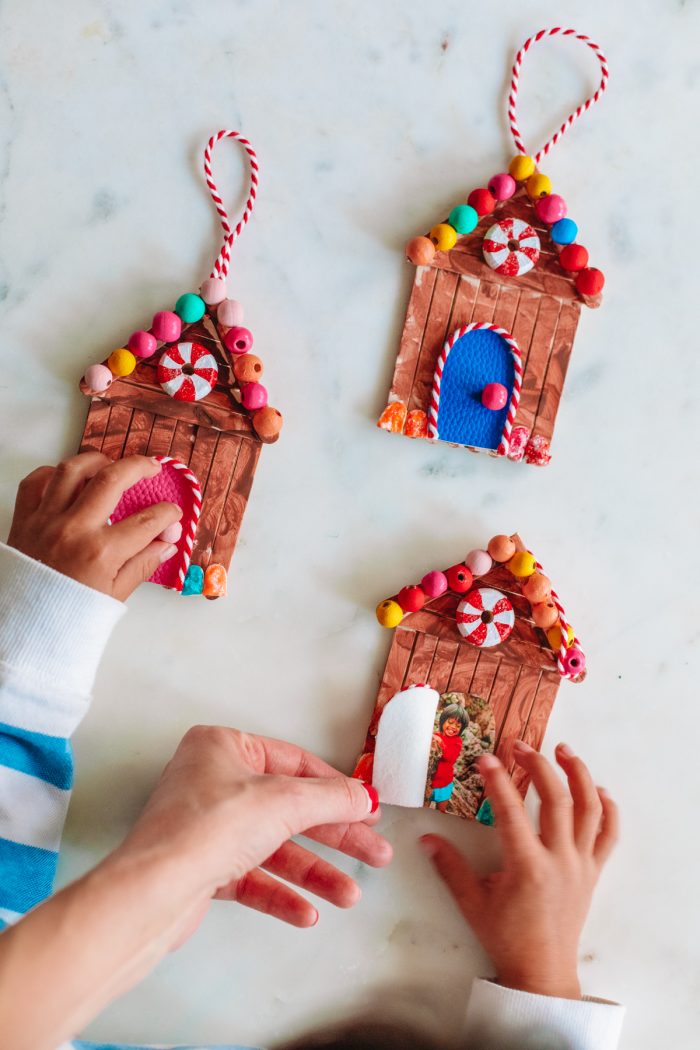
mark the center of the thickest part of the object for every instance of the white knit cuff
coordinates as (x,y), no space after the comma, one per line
(504,1018)
(53,632)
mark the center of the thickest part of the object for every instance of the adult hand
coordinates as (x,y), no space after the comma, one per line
(529,915)
(61,515)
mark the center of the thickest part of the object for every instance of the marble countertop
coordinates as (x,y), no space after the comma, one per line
(370,121)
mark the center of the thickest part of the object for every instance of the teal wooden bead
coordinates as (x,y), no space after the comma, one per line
(190,308)
(464,218)
(194,580)
(565,231)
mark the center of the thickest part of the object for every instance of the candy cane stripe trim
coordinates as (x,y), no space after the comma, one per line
(434,408)
(563,627)
(221,264)
(186,554)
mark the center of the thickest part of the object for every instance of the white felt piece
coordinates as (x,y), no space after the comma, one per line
(402,750)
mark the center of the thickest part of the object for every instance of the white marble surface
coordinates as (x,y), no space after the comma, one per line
(370,120)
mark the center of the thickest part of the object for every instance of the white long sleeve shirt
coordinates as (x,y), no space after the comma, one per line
(53,632)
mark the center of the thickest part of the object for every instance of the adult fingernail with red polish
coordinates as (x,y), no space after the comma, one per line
(373,797)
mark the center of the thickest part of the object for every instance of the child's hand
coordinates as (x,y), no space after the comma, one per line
(61,517)
(226,808)
(529,915)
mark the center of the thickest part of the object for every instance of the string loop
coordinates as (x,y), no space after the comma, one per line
(515,75)
(221,264)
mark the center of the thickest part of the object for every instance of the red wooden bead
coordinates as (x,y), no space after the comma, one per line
(459,578)
(590,281)
(411,599)
(482,201)
(574,257)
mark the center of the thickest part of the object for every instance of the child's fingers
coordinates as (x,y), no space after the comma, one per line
(101,495)
(520,844)
(69,479)
(303,868)
(610,829)
(260,891)
(355,840)
(133,534)
(31,490)
(457,873)
(140,568)
(556,810)
(587,805)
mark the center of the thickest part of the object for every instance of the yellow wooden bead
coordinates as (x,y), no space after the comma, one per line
(538,186)
(522,564)
(554,635)
(389,613)
(443,236)
(121,362)
(521,167)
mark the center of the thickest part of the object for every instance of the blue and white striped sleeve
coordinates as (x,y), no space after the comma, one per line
(52,635)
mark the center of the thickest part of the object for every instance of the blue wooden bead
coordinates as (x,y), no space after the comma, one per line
(564,231)
(464,218)
(194,580)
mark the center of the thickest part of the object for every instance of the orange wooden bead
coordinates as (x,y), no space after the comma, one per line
(214,582)
(545,614)
(420,251)
(537,588)
(501,548)
(268,423)
(248,368)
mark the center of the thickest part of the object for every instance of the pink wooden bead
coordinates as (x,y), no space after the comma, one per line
(166,326)
(253,396)
(434,584)
(142,344)
(502,186)
(574,661)
(550,209)
(478,562)
(494,396)
(97,378)
(230,313)
(238,340)
(213,291)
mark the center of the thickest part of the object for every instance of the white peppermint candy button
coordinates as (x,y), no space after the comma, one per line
(485,617)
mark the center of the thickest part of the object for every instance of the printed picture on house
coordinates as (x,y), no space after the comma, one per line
(464,729)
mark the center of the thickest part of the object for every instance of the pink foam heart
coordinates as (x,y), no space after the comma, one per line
(174,484)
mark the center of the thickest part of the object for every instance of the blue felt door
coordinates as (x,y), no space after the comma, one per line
(478,358)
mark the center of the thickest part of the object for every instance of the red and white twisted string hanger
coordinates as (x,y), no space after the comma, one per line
(221,264)
(515,75)
(564,644)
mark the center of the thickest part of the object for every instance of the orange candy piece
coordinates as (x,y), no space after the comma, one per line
(416,424)
(393,418)
(214,582)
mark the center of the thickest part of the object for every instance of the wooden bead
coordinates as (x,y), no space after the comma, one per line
(267,423)
(459,579)
(482,201)
(550,209)
(545,614)
(574,661)
(573,257)
(420,251)
(538,186)
(214,582)
(464,218)
(501,548)
(434,584)
(565,231)
(248,368)
(121,362)
(522,167)
(590,281)
(213,291)
(443,236)
(229,313)
(494,396)
(411,599)
(522,564)
(253,396)
(166,326)
(478,562)
(142,344)
(554,635)
(537,588)
(502,186)
(97,379)
(238,340)
(389,613)
(190,308)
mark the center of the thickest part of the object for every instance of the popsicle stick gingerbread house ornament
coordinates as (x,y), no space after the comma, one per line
(495,306)
(475,664)
(188,388)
